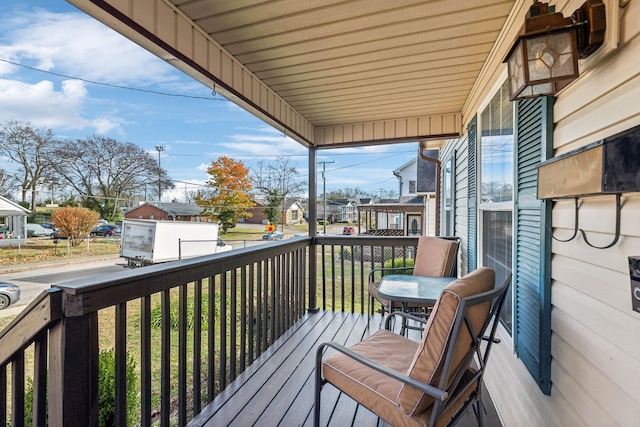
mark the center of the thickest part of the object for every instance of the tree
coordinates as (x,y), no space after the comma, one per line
(229,199)
(104,171)
(31,148)
(75,223)
(277,181)
(7,181)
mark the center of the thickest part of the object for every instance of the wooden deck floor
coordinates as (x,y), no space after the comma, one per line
(277,390)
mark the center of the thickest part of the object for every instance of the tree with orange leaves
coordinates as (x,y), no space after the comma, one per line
(74,223)
(229,200)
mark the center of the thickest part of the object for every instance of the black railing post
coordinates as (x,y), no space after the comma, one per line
(73,371)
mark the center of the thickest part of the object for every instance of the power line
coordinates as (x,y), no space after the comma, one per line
(114,86)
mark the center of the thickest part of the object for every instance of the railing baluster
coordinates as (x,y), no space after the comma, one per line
(265,305)
(40,352)
(145,361)
(17,388)
(251,312)
(273,309)
(197,347)
(324,277)
(121,365)
(3,394)
(259,307)
(243,319)
(233,325)
(223,331)
(211,340)
(182,355)
(165,359)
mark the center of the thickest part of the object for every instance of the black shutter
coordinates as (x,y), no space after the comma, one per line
(532,277)
(472,198)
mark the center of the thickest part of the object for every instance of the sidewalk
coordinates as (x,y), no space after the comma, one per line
(55,262)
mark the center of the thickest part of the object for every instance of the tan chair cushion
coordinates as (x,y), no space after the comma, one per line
(435,256)
(375,390)
(429,358)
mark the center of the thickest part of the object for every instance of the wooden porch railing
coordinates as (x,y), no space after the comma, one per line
(190,326)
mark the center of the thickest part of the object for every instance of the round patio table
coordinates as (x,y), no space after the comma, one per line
(407,289)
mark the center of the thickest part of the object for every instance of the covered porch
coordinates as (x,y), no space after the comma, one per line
(353,73)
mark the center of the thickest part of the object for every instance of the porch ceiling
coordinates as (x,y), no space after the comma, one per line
(329,72)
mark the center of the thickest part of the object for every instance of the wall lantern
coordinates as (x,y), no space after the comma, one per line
(544,56)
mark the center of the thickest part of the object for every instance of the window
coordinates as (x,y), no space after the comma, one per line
(294,214)
(412,187)
(447,223)
(496,190)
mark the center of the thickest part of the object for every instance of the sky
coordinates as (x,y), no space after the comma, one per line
(62,70)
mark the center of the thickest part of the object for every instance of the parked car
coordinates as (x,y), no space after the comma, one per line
(36,230)
(348,231)
(276,235)
(9,294)
(106,230)
(50,226)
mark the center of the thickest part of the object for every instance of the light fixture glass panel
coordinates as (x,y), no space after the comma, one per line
(516,69)
(550,56)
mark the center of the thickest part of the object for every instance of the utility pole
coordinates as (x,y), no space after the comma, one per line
(160,149)
(324,196)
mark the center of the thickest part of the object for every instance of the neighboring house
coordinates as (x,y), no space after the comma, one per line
(333,209)
(294,213)
(168,211)
(257,214)
(393,217)
(348,209)
(414,213)
(13,223)
(407,175)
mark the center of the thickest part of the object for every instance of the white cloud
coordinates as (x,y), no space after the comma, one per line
(42,105)
(78,45)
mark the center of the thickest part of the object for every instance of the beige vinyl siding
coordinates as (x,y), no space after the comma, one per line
(595,333)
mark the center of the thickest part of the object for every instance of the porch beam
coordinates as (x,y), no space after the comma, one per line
(409,129)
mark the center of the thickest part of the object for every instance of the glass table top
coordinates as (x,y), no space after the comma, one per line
(413,289)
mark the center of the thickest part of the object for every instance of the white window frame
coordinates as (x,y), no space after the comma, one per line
(500,206)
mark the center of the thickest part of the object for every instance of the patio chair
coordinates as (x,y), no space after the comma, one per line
(432,382)
(435,257)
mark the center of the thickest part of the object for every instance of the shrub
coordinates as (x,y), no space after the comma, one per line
(400,262)
(106,391)
(174,313)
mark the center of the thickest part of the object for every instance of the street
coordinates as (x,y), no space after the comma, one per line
(34,281)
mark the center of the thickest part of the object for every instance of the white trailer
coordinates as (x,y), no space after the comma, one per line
(150,241)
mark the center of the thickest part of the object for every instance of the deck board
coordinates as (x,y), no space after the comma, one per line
(277,389)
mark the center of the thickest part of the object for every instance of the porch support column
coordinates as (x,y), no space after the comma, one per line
(313,226)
